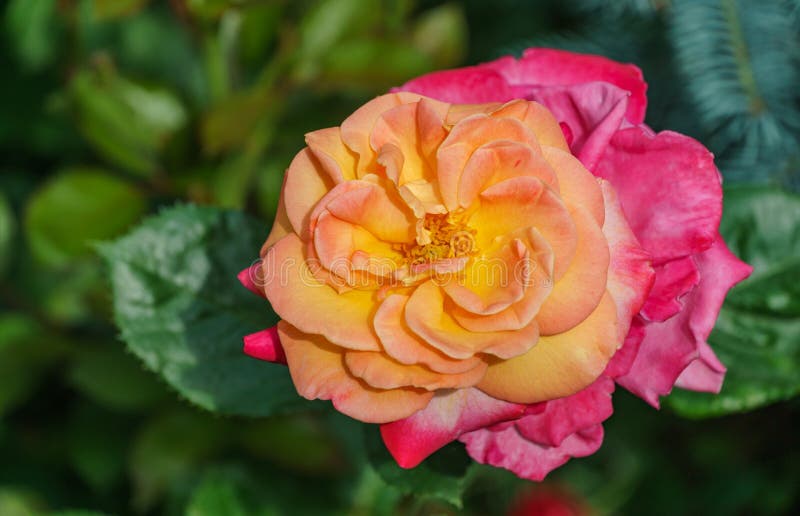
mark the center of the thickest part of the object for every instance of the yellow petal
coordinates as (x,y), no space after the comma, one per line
(559,365)
(578,186)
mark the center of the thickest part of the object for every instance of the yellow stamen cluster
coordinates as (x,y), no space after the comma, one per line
(442,236)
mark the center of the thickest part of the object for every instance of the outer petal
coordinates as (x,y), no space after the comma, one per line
(565,416)
(318,373)
(677,177)
(469,85)
(672,280)
(344,319)
(305,184)
(559,365)
(447,416)
(670,346)
(503,446)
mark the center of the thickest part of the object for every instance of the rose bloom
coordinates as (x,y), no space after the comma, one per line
(484,253)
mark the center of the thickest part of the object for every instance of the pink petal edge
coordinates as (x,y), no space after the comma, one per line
(265,345)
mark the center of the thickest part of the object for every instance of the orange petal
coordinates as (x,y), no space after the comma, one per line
(280,228)
(578,186)
(381,372)
(426,316)
(318,372)
(312,306)
(377,208)
(357,127)
(464,138)
(500,160)
(343,247)
(304,185)
(337,160)
(559,365)
(576,294)
(405,347)
(538,118)
(523,202)
(402,127)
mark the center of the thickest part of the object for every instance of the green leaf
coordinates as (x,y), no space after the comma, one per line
(113,379)
(111,9)
(168,450)
(444,476)
(182,311)
(21,360)
(76,207)
(7,229)
(34,31)
(757,335)
(128,123)
(217,494)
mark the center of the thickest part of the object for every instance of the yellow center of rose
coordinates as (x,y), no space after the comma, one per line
(441,236)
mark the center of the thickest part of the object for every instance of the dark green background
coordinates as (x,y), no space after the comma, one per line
(122,385)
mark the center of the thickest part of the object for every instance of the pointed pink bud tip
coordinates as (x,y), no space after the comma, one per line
(265,345)
(249,276)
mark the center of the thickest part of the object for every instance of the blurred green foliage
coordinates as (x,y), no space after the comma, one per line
(114,111)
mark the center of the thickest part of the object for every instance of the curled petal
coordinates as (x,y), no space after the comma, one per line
(333,155)
(356,128)
(448,415)
(426,316)
(672,280)
(318,372)
(380,371)
(401,344)
(464,138)
(378,209)
(500,160)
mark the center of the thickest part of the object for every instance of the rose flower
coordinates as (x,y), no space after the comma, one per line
(481,254)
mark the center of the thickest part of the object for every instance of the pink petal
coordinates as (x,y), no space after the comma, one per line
(592,111)
(545,66)
(669,189)
(565,416)
(447,416)
(673,280)
(251,277)
(622,361)
(503,446)
(469,85)
(669,347)
(704,374)
(265,345)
